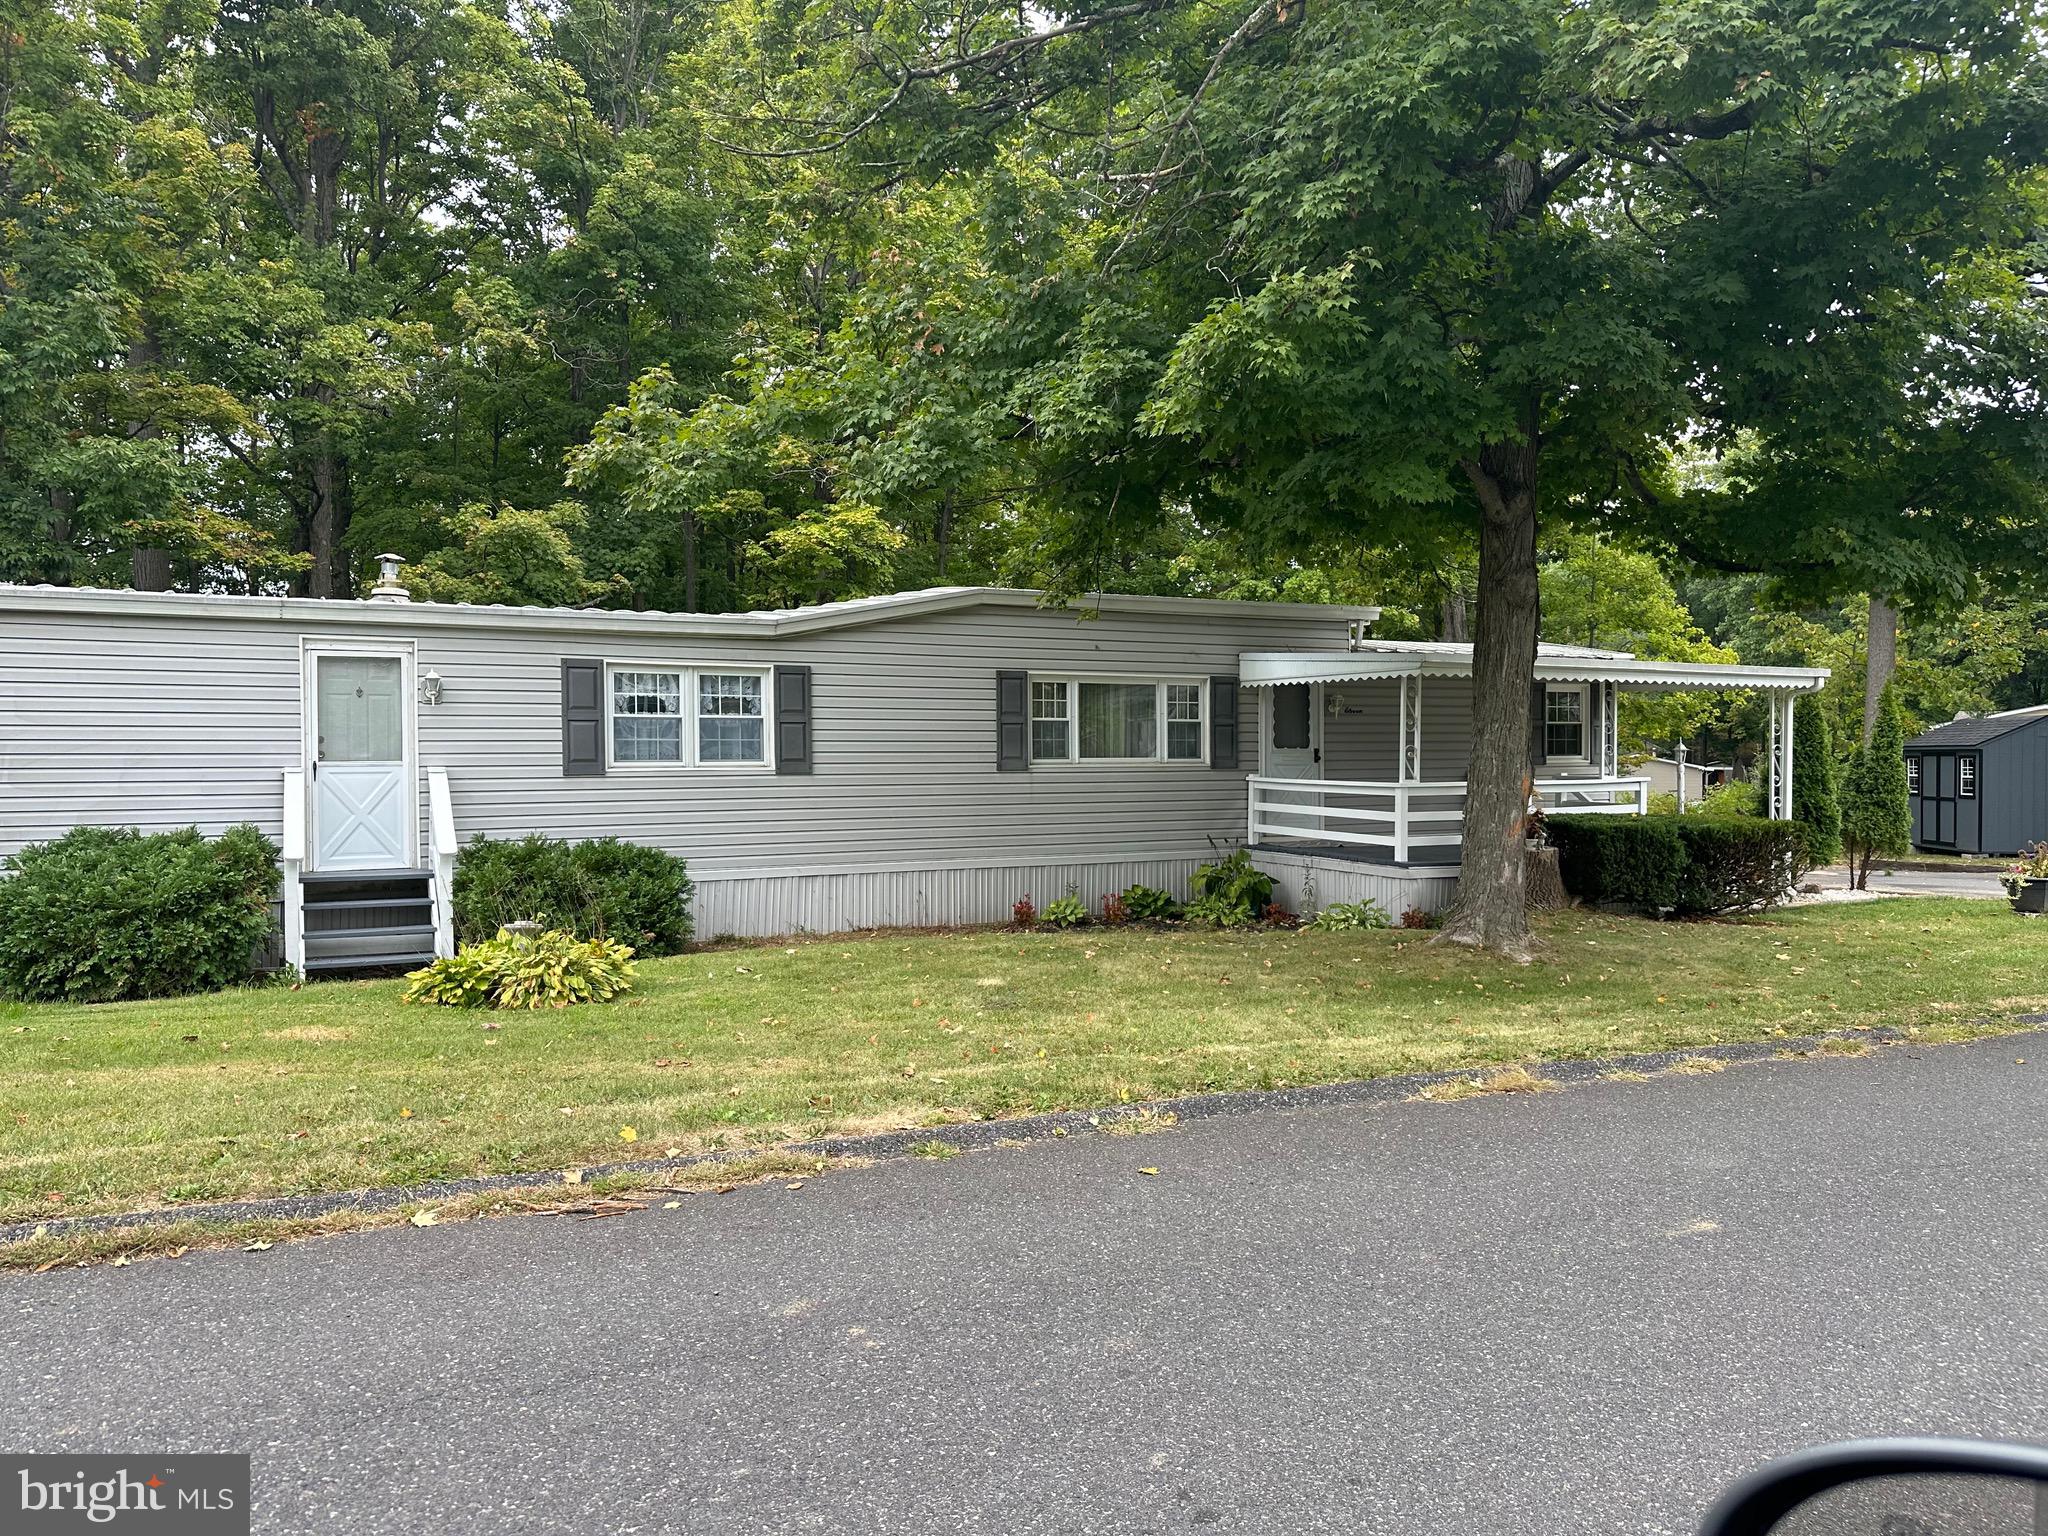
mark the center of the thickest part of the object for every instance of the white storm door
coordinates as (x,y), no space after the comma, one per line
(362,770)
(1294,750)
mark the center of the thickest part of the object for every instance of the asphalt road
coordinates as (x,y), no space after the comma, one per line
(1916,882)
(1577,1312)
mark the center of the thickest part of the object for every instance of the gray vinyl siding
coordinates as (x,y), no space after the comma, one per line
(119,720)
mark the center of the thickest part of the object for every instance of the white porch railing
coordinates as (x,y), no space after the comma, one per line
(1399,818)
(441,835)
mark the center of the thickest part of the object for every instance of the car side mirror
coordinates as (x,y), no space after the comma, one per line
(1891,1488)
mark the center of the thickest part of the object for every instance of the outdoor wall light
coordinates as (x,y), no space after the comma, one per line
(430,688)
(1333,703)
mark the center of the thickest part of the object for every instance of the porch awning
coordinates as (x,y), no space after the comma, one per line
(1570,664)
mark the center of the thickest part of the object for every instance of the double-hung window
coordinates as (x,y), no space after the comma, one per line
(1564,723)
(1966,777)
(1084,719)
(684,717)
(1913,775)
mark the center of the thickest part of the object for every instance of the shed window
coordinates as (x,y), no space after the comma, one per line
(1966,777)
(725,711)
(1564,723)
(1913,775)
(1077,719)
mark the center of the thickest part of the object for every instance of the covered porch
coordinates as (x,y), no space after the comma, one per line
(1363,753)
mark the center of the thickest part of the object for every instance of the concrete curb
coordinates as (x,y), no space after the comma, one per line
(964,1136)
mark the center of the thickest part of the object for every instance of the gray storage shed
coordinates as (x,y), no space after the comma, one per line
(1980,784)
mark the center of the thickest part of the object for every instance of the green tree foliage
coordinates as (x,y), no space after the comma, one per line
(1814,803)
(1351,271)
(1877,817)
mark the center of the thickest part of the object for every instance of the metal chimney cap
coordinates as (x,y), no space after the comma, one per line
(389,589)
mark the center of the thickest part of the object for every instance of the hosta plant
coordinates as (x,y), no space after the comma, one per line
(554,969)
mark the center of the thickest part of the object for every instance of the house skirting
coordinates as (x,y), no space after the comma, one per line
(1306,881)
(761,904)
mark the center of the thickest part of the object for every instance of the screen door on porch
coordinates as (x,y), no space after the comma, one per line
(360,807)
(1294,746)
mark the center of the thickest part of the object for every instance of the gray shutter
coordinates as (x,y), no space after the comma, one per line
(792,719)
(1013,721)
(582,718)
(1223,722)
(1537,753)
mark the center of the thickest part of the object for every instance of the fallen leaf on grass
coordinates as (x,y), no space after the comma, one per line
(122,1262)
(424,1219)
(627,1133)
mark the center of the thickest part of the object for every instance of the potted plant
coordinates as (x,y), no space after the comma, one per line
(2027,881)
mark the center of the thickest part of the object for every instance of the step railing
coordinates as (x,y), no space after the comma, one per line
(441,842)
(292,851)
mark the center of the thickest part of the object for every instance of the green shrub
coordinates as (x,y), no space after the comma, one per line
(1233,884)
(1688,866)
(1349,917)
(1145,904)
(1735,798)
(554,969)
(1631,861)
(601,889)
(104,913)
(1067,911)
(1877,815)
(1815,804)
(1738,866)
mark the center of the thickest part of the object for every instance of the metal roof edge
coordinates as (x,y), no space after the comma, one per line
(791,621)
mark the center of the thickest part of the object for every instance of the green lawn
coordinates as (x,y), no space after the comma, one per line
(338,1086)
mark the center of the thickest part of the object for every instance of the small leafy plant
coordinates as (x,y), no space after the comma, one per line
(1350,917)
(1415,917)
(1148,904)
(1067,911)
(1217,912)
(2032,865)
(1114,913)
(554,969)
(1234,884)
(1023,912)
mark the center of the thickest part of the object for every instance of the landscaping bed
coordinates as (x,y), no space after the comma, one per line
(338,1086)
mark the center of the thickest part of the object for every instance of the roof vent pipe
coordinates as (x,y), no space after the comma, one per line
(389,589)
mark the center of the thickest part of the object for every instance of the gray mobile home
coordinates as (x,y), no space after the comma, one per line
(1979,784)
(920,758)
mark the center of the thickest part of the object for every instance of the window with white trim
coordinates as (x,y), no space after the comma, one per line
(1565,715)
(1966,777)
(1119,720)
(685,717)
(1912,775)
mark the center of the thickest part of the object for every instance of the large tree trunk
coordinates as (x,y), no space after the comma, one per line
(149,565)
(1450,619)
(1880,656)
(326,522)
(1490,910)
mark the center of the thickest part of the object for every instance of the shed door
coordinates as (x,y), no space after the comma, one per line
(1938,798)
(361,778)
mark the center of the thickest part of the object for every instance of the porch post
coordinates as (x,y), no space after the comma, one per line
(1410,760)
(1772,759)
(1789,734)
